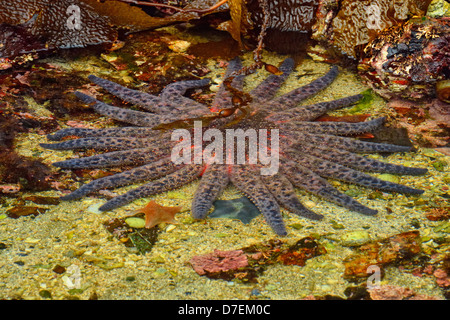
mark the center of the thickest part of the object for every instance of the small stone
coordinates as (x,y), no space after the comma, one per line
(255,292)
(337,226)
(94,208)
(443,227)
(355,238)
(159,272)
(179,45)
(31,240)
(270,287)
(170,228)
(296,226)
(309,204)
(134,222)
(59,269)
(45,294)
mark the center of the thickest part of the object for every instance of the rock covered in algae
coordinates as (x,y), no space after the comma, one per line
(347,25)
(394,249)
(409,60)
(33,26)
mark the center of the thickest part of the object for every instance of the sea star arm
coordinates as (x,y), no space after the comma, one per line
(338,128)
(249,183)
(137,118)
(213,181)
(104,132)
(283,190)
(171,181)
(115,158)
(346,143)
(353,160)
(223,97)
(311,112)
(268,88)
(305,179)
(173,94)
(145,100)
(102,143)
(328,169)
(146,172)
(291,99)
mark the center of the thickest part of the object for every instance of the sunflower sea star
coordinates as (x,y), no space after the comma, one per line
(309,151)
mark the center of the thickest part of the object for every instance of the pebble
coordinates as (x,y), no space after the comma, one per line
(179,46)
(134,222)
(93,208)
(270,287)
(355,238)
(170,228)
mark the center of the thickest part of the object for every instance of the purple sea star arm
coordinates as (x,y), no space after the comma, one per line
(180,87)
(352,160)
(311,112)
(338,128)
(337,171)
(306,179)
(171,181)
(249,183)
(173,94)
(115,158)
(223,97)
(105,132)
(291,99)
(213,181)
(346,143)
(268,88)
(102,143)
(146,172)
(145,100)
(137,118)
(281,188)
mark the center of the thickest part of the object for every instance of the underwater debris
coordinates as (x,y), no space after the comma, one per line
(43,200)
(390,292)
(409,60)
(220,264)
(427,123)
(140,240)
(301,251)
(23,211)
(247,263)
(394,249)
(438,214)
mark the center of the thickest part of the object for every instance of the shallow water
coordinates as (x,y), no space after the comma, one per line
(72,234)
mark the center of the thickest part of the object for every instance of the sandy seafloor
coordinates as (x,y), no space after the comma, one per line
(72,233)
